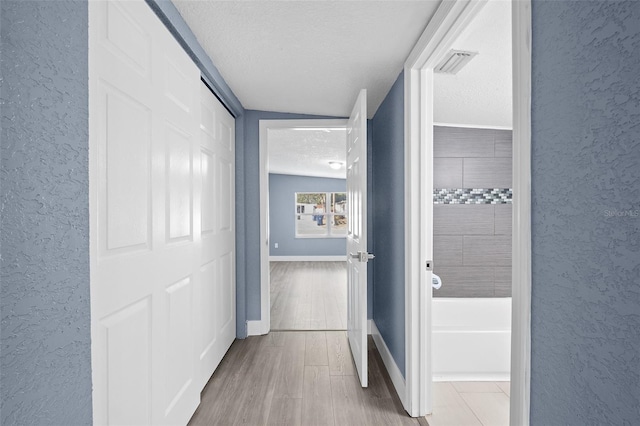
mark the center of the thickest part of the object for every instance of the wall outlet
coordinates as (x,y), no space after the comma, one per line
(275,245)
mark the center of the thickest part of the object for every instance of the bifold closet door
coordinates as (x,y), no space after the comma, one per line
(216,290)
(145,208)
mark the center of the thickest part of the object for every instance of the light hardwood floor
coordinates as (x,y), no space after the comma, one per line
(470,404)
(308,295)
(298,378)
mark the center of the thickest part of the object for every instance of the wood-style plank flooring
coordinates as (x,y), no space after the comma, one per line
(298,378)
(470,404)
(308,295)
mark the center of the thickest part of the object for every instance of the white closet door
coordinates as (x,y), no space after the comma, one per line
(145,218)
(216,287)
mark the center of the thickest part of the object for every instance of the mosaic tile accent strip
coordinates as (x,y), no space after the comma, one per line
(473,196)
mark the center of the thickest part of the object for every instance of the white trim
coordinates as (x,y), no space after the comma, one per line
(392,368)
(265,125)
(472,126)
(369,326)
(447,24)
(521,251)
(308,258)
(318,237)
(256,328)
(471,377)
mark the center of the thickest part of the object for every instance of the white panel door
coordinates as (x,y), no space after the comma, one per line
(357,235)
(216,294)
(145,218)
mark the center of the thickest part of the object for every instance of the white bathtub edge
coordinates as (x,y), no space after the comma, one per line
(471,339)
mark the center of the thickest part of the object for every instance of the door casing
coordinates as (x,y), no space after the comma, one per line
(450,20)
(263,325)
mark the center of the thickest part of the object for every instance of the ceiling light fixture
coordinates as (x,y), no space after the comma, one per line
(454,61)
(335,164)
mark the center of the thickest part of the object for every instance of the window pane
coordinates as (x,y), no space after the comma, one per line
(339,202)
(311,225)
(310,214)
(310,203)
(339,225)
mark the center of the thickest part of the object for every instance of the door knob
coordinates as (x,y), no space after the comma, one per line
(362,256)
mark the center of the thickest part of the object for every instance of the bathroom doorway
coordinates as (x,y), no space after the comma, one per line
(472,217)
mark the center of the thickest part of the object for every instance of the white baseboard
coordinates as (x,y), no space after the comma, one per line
(392,368)
(471,377)
(473,126)
(256,328)
(308,258)
(369,322)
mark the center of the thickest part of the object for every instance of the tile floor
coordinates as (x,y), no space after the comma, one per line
(470,404)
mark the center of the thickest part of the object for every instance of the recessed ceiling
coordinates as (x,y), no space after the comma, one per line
(307,152)
(309,57)
(480,93)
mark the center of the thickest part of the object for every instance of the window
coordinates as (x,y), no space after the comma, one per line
(315,220)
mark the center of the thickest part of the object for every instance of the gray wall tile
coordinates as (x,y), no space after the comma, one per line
(465,282)
(487,173)
(472,261)
(478,173)
(502,172)
(461,142)
(447,250)
(447,173)
(503,143)
(503,219)
(503,281)
(463,219)
(485,251)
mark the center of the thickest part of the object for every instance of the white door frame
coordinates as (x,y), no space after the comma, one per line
(263,325)
(450,20)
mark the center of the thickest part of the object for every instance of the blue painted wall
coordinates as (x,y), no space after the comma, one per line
(370,234)
(282,216)
(387,160)
(585,363)
(241,231)
(251,199)
(45,361)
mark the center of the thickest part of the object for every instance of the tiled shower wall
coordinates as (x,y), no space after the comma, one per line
(472,231)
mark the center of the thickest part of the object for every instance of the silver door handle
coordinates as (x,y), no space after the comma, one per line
(362,256)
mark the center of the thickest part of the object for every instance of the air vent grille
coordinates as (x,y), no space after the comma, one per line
(454,61)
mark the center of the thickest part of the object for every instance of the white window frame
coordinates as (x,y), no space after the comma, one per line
(329,214)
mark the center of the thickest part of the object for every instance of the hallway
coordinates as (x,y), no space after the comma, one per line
(298,378)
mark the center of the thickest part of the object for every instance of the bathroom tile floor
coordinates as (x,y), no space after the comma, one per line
(470,404)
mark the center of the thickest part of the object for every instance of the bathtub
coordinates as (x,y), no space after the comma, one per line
(471,339)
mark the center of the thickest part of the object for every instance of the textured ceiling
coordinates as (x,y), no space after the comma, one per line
(308,57)
(480,94)
(307,152)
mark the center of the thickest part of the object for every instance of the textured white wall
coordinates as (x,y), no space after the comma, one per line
(480,94)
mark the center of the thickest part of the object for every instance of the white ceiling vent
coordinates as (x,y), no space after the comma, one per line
(454,61)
